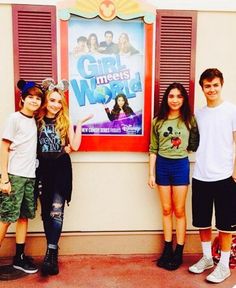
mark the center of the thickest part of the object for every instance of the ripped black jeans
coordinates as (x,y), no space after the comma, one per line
(52,216)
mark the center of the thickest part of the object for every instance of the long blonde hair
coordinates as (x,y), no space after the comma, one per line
(62,118)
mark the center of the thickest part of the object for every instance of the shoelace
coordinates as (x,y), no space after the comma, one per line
(219,271)
(201,263)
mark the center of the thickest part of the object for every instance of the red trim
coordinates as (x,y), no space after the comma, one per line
(117,143)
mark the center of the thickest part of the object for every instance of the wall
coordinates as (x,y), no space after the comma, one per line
(6,60)
(111,199)
(216,48)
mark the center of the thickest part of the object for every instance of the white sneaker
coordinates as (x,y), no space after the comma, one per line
(203,264)
(219,274)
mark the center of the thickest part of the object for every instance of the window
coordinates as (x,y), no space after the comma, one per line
(175,52)
(34,40)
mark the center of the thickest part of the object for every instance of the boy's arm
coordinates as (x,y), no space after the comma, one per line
(4,150)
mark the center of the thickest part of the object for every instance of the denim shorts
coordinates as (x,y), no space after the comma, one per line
(172,171)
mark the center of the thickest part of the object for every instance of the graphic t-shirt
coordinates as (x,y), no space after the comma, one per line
(49,141)
(170,138)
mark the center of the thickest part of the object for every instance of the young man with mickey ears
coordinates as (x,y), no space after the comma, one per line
(214,176)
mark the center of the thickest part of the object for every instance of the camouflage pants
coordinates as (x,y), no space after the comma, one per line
(20,202)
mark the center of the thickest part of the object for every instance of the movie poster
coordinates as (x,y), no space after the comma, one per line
(106,73)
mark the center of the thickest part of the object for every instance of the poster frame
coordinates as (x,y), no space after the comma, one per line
(132,143)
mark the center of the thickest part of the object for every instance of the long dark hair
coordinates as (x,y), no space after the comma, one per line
(185,110)
(116,109)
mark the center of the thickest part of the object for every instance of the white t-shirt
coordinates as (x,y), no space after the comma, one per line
(22,132)
(215,154)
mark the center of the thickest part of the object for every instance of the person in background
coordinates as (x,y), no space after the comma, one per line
(54,174)
(18,164)
(174,133)
(125,47)
(93,44)
(108,46)
(214,175)
(81,47)
(121,108)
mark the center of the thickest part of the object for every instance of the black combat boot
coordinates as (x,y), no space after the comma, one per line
(177,258)
(50,262)
(166,256)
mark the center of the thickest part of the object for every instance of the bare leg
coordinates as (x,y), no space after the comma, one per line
(3,230)
(225,241)
(21,230)
(179,199)
(205,235)
(166,203)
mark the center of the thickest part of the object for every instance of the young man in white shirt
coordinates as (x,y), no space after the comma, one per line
(214,176)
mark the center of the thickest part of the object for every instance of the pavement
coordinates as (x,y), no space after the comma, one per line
(111,271)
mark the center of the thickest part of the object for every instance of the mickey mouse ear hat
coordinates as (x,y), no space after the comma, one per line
(24,86)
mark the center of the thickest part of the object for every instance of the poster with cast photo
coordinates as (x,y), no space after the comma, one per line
(106,73)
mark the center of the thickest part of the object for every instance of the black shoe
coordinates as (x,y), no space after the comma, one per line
(166,256)
(50,263)
(174,264)
(177,258)
(24,263)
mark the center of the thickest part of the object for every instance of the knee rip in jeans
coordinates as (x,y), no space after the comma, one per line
(56,212)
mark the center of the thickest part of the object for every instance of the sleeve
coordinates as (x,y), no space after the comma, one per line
(10,128)
(194,137)
(154,139)
(130,111)
(109,114)
(234,119)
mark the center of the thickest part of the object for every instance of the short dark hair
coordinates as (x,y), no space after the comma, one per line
(210,74)
(81,39)
(108,32)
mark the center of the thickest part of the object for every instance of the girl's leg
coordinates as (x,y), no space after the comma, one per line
(45,202)
(52,215)
(179,199)
(53,227)
(166,203)
(56,219)
(165,193)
